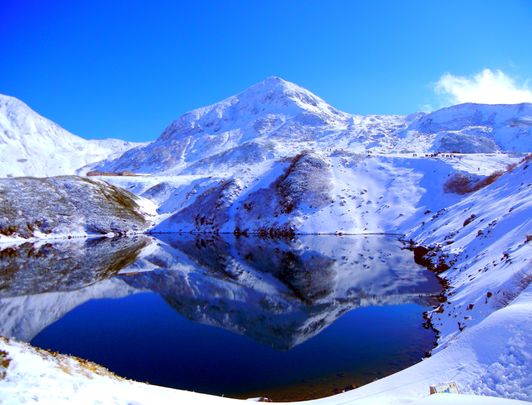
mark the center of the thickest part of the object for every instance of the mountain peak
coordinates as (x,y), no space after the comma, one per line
(276,95)
(274,80)
(12,103)
(280,87)
(272,96)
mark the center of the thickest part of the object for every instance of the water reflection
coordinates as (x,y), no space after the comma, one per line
(29,268)
(279,293)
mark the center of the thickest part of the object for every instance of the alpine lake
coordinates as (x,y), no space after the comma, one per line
(240,317)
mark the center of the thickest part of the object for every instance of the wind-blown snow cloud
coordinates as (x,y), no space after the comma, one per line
(487,86)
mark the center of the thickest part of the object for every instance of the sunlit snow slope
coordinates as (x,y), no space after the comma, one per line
(31,145)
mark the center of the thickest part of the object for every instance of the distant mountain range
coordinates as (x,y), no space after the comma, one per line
(275,118)
(270,119)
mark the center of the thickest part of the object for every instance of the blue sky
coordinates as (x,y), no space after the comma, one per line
(127,68)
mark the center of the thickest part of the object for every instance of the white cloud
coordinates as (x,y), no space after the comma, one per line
(487,87)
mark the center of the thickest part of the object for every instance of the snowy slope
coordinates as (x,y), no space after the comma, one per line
(485,238)
(31,145)
(319,193)
(477,128)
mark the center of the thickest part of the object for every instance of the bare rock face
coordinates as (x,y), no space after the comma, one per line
(66,205)
(303,188)
(208,213)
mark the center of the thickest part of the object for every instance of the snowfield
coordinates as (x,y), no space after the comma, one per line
(278,161)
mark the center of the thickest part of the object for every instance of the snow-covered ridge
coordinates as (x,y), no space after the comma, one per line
(275,118)
(222,166)
(485,240)
(31,145)
(272,119)
(477,128)
(316,192)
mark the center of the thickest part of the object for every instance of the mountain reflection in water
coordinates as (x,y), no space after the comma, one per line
(77,296)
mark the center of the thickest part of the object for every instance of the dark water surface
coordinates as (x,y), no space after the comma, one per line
(241,317)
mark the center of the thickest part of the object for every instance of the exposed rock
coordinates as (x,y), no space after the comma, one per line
(67,205)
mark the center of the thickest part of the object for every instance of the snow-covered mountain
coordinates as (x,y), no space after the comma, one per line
(275,118)
(269,120)
(276,158)
(31,145)
(475,128)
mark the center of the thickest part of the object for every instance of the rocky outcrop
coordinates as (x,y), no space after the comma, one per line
(67,205)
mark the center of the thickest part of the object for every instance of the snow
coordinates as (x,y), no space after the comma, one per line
(485,236)
(276,118)
(31,145)
(379,193)
(473,125)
